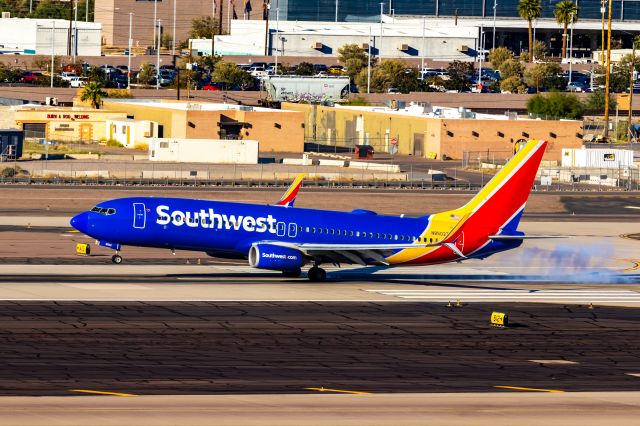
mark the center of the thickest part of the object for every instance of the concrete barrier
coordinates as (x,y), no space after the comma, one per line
(84,156)
(390,168)
(332,163)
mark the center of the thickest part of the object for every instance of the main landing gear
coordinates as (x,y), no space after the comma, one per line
(116,258)
(317,274)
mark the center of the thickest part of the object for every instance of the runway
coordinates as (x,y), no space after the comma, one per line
(142,348)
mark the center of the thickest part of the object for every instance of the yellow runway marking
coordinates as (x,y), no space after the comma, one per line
(95,392)
(635,267)
(338,391)
(529,389)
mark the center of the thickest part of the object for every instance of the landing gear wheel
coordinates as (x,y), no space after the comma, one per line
(117,259)
(292,274)
(317,274)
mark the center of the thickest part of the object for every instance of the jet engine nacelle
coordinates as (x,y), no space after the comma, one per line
(275,257)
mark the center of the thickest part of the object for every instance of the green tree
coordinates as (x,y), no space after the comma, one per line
(546,76)
(565,12)
(203,27)
(556,105)
(499,55)
(166,41)
(93,93)
(304,68)
(530,10)
(510,68)
(513,84)
(459,73)
(229,73)
(8,74)
(208,62)
(354,58)
(595,102)
(97,74)
(540,49)
(147,73)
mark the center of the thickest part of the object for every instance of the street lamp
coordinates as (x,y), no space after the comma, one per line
(336,10)
(495,8)
(423,50)
(155,19)
(607,75)
(173,43)
(129,51)
(369,63)
(381,12)
(158,56)
(571,49)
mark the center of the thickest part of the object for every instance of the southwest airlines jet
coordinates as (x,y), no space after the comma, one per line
(284,238)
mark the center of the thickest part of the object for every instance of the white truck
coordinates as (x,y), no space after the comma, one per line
(306,89)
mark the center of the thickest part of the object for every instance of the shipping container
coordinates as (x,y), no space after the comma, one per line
(214,151)
(11,144)
(597,158)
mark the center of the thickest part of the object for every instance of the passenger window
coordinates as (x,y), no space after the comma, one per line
(351,233)
(395,237)
(357,233)
(307,230)
(313,230)
(319,230)
(370,234)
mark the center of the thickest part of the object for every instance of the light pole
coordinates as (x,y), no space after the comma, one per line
(173,43)
(336,10)
(381,12)
(481,53)
(275,71)
(75,32)
(213,28)
(607,75)
(571,49)
(423,50)
(129,52)
(369,63)
(53,49)
(155,20)
(495,9)
(158,57)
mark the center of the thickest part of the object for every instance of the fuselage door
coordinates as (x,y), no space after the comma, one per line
(139,216)
(281,229)
(293,230)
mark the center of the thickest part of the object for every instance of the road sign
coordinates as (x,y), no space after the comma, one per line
(394,141)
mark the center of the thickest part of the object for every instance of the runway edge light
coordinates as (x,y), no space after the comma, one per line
(499,319)
(83,249)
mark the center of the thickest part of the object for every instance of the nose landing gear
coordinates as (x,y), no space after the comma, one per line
(116,258)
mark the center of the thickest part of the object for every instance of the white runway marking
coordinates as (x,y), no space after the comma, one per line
(469,295)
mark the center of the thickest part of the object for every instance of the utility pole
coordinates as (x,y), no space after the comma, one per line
(602,10)
(69,45)
(607,76)
(213,28)
(220,16)
(336,10)
(266,5)
(571,50)
(633,67)
(159,23)
(275,71)
(155,20)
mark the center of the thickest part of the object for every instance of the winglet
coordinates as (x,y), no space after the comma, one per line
(289,197)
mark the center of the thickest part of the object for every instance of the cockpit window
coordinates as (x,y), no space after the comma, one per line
(103,211)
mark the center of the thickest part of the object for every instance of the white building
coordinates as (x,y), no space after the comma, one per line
(214,151)
(130,132)
(42,36)
(323,39)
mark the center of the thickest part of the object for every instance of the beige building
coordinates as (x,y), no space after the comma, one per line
(63,124)
(114,17)
(433,132)
(275,130)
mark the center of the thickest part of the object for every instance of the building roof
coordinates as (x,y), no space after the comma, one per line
(190,105)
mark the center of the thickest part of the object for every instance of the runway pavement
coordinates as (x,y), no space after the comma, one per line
(144,348)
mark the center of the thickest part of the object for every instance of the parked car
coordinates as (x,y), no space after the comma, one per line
(320,68)
(213,86)
(68,75)
(78,82)
(336,70)
(28,77)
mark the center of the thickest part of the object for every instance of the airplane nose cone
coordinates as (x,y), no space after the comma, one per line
(81,222)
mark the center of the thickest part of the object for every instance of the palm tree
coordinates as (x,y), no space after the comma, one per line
(565,12)
(93,93)
(530,10)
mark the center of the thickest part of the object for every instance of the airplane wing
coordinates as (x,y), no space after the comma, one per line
(289,197)
(350,253)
